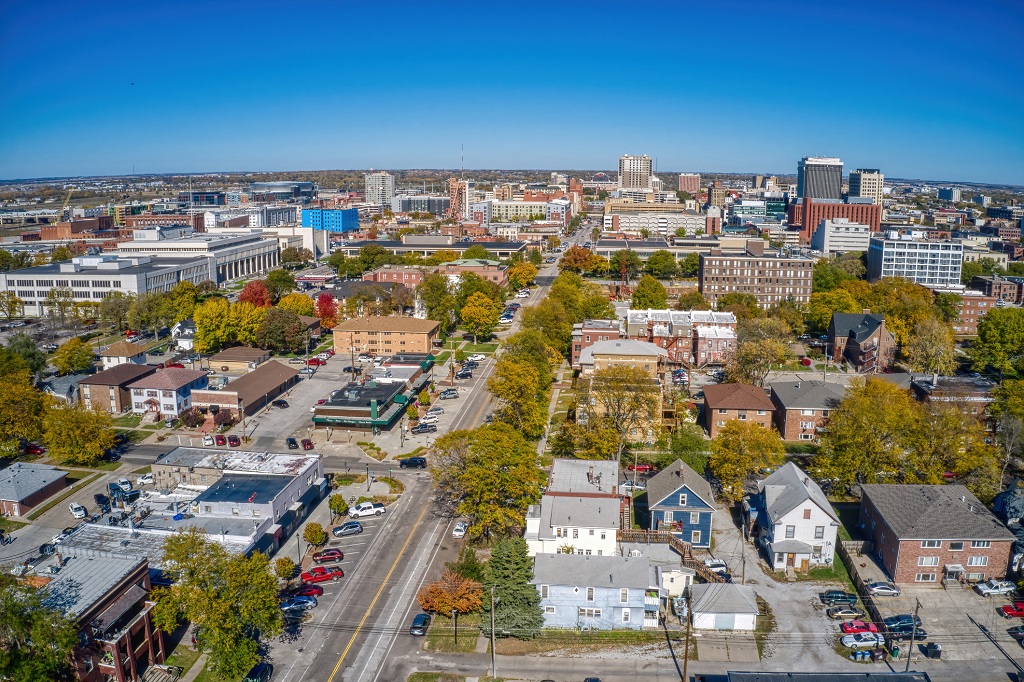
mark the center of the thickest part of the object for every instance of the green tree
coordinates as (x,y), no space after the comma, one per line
(73,356)
(24,408)
(752,360)
(530,347)
(114,309)
(315,534)
(284,568)
(687,444)
(477,251)
(37,638)
(338,506)
(480,315)
(947,305)
(77,435)
(662,264)
(59,303)
(690,266)
(13,367)
(628,258)
(23,346)
(279,283)
(825,304)
(439,301)
(760,328)
(828,275)
(424,397)
(184,298)
(693,300)
(551,319)
(232,597)
(517,611)
(300,304)
(649,293)
(10,305)
(597,440)
(743,448)
(627,397)
(61,253)
(743,306)
(281,331)
(213,324)
(412,411)
(980,267)
(931,349)
(468,566)
(294,254)
(470,283)
(151,310)
(519,392)
(1000,342)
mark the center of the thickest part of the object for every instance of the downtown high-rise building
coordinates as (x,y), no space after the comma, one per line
(380,188)
(635,172)
(819,177)
(867,183)
(689,182)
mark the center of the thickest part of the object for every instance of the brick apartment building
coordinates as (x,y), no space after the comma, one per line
(409,275)
(927,533)
(107,391)
(1008,289)
(145,220)
(588,332)
(770,277)
(809,213)
(76,228)
(973,307)
(385,335)
(725,402)
(490,270)
(710,346)
(802,407)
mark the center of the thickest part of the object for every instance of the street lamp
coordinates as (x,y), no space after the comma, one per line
(367,477)
(455,622)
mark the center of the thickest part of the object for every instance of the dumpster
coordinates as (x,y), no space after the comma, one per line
(933,650)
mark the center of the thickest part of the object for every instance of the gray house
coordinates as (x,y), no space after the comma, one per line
(679,501)
(598,592)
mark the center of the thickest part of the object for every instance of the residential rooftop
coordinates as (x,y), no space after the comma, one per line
(591,570)
(85,580)
(22,479)
(934,512)
(388,324)
(583,476)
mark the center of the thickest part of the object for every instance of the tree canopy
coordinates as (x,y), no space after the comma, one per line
(36,640)
(740,449)
(517,611)
(74,355)
(649,293)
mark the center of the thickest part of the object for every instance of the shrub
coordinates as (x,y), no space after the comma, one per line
(284,568)
(224,418)
(192,417)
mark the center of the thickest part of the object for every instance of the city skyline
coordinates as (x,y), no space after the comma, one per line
(128,89)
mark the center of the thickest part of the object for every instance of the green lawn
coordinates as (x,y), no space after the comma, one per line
(150,427)
(435,677)
(129,421)
(441,635)
(480,348)
(183,656)
(8,524)
(83,479)
(576,640)
(440,360)
(102,466)
(133,435)
(143,470)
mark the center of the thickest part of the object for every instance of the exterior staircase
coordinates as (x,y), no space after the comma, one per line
(684,549)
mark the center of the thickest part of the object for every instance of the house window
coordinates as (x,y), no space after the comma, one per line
(590,594)
(590,613)
(762,412)
(694,517)
(807,413)
(790,532)
(927,561)
(722,411)
(668,517)
(549,609)
(624,596)
(591,532)
(819,532)
(695,537)
(925,578)
(543,591)
(682,500)
(603,534)
(742,416)
(807,513)
(575,533)
(977,561)
(931,544)
(207,508)
(625,615)
(956,547)
(981,544)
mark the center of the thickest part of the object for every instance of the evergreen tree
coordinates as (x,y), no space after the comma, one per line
(517,611)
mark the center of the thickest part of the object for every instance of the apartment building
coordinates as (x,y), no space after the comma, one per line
(807,213)
(635,171)
(819,177)
(770,277)
(589,332)
(689,182)
(840,236)
(380,188)
(867,183)
(930,263)
(385,335)
(1007,289)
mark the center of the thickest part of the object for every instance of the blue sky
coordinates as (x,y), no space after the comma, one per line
(919,89)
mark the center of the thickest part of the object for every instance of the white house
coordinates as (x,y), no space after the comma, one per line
(168,392)
(184,334)
(563,524)
(791,519)
(723,606)
(675,577)
(122,353)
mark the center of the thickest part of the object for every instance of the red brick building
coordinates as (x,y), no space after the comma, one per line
(927,533)
(107,391)
(973,307)
(999,288)
(802,407)
(810,212)
(710,346)
(725,402)
(587,333)
(75,228)
(164,219)
(862,340)
(409,275)
(23,485)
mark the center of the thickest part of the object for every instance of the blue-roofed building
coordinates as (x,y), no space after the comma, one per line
(331,219)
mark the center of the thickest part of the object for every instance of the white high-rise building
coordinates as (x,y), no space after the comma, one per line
(867,183)
(380,188)
(839,235)
(635,172)
(931,263)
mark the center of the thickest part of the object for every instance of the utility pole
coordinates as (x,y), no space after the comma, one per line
(686,651)
(494,670)
(913,635)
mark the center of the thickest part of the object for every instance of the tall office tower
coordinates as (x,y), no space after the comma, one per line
(819,177)
(950,194)
(689,182)
(458,197)
(867,183)
(380,188)
(634,172)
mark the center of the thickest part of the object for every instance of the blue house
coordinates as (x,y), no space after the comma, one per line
(598,592)
(679,501)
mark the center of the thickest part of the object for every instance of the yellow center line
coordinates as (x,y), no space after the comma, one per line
(379,592)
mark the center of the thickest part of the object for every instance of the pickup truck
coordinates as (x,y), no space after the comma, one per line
(990,587)
(834,597)
(367,509)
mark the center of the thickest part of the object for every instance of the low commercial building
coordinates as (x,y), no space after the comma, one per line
(407,275)
(969,394)
(490,270)
(167,392)
(385,335)
(584,478)
(375,404)
(201,467)
(239,359)
(24,485)
(108,390)
(839,235)
(249,393)
(723,606)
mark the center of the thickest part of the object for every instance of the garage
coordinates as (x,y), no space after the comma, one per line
(723,606)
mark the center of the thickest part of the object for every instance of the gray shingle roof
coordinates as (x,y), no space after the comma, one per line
(584,570)
(22,479)
(119,374)
(670,479)
(577,512)
(86,580)
(787,488)
(935,512)
(639,349)
(860,325)
(723,598)
(816,395)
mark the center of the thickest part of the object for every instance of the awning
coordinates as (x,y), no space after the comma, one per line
(954,568)
(120,607)
(789,547)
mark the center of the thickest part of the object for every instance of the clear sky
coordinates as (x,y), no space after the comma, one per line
(918,89)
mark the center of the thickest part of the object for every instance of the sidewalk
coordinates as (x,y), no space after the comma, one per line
(195,670)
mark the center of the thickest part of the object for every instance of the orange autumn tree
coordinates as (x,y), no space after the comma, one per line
(451,591)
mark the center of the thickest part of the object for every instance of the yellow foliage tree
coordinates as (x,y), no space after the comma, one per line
(743,448)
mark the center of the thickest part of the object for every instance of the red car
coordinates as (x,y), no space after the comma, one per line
(307,591)
(307,444)
(316,362)
(175,364)
(855,627)
(1014,610)
(320,574)
(321,401)
(220,440)
(642,468)
(234,441)
(33,449)
(328,555)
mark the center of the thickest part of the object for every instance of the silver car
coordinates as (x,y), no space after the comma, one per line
(863,640)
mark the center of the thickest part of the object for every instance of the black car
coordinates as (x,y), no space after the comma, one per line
(834,597)
(901,632)
(102,501)
(464,374)
(292,443)
(261,673)
(423,428)
(470,364)
(353,370)
(280,403)
(413,463)
(420,624)
(901,620)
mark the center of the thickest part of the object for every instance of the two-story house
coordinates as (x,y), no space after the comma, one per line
(802,407)
(725,402)
(929,533)
(107,391)
(679,501)
(862,340)
(121,353)
(791,520)
(598,592)
(562,524)
(167,392)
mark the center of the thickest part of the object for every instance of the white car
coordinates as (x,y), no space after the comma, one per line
(990,587)
(523,294)
(207,440)
(717,565)
(477,357)
(459,531)
(77,510)
(428,419)
(366,509)
(124,484)
(882,589)
(863,640)
(144,479)
(629,486)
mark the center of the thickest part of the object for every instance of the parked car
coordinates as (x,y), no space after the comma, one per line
(144,479)
(843,612)
(459,531)
(366,509)
(307,444)
(329,555)
(449,394)
(1017,632)
(77,510)
(717,565)
(299,604)
(316,362)
(882,589)
(435,410)
(261,672)
(413,463)
(863,640)
(283,404)
(306,370)
(423,428)
(523,294)
(428,419)
(124,484)
(176,365)
(629,486)
(63,535)
(901,619)
(353,370)
(420,624)
(833,597)
(348,528)
(477,357)
(464,374)
(221,440)
(307,591)
(207,440)
(990,587)
(641,467)
(852,627)
(1014,610)
(234,441)
(102,501)
(906,631)
(319,574)
(363,357)
(33,449)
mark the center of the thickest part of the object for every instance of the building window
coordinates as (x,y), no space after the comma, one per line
(575,533)
(927,561)
(722,411)
(682,500)
(207,508)
(590,613)
(931,544)
(925,578)
(625,615)
(694,517)
(790,532)
(543,591)
(977,561)
(819,532)
(624,596)
(603,533)
(981,544)
(807,513)
(549,609)
(695,537)
(956,546)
